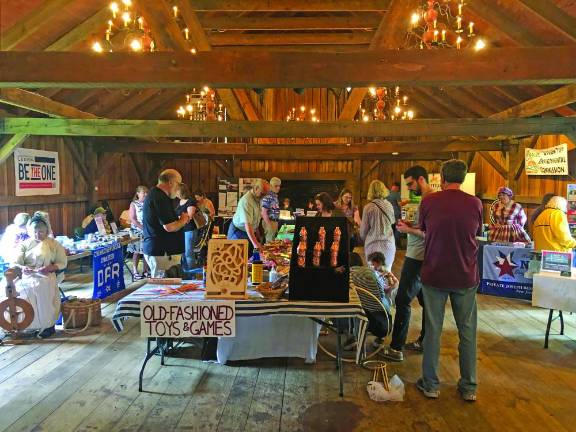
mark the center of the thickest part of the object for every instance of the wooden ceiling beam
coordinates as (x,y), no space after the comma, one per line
(381,147)
(202,44)
(30,23)
(291,5)
(291,38)
(232,69)
(81,31)
(541,104)
(283,129)
(511,27)
(38,103)
(390,35)
(125,108)
(11,144)
(365,21)
(555,16)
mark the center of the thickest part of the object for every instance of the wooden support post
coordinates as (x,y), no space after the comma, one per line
(92,167)
(139,171)
(494,163)
(73,149)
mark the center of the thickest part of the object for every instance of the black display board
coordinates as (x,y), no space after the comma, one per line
(322,283)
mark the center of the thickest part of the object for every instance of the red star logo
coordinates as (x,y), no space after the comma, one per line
(505,264)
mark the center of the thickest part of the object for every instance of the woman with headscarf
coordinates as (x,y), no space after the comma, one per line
(40,258)
(377,220)
(551,230)
(507,219)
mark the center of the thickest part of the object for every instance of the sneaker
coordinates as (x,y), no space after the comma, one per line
(468,395)
(350,345)
(46,333)
(415,346)
(431,394)
(392,354)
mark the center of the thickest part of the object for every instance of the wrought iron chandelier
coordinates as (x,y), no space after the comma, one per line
(385,103)
(202,105)
(126,31)
(303,114)
(441,24)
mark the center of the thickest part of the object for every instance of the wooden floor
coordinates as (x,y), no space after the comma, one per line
(89,383)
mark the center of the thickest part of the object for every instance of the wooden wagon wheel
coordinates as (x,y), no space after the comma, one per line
(20,311)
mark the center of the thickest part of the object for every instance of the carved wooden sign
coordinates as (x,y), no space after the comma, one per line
(226,273)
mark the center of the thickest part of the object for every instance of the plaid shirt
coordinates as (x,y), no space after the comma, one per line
(508,223)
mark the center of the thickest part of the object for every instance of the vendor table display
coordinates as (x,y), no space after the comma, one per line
(503,271)
(250,315)
(555,292)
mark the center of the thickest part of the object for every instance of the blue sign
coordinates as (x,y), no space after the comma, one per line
(108,266)
(503,272)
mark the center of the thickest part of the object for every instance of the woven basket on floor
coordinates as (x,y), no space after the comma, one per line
(81,313)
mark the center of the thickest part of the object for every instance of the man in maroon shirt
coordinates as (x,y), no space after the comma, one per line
(451,220)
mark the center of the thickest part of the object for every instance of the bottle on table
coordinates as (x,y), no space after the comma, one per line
(257,268)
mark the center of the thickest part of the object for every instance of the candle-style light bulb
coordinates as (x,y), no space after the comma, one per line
(443,35)
(175,10)
(141,23)
(414,19)
(97,47)
(110,23)
(302,108)
(114,8)
(458,24)
(436,35)
(404,99)
(458,42)
(471,29)
(193,50)
(126,18)
(186,33)
(480,44)
(136,45)
(372,91)
(410,115)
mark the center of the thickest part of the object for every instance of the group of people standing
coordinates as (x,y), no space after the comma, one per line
(440,263)
(167,232)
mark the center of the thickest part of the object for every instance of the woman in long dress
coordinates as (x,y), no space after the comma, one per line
(377,220)
(136,226)
(508,219)
(40,258)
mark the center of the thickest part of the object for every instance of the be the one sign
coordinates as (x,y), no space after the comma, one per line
(173,319)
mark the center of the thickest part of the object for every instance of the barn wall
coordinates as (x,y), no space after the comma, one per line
(69,208)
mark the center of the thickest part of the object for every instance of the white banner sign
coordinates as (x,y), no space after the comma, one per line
(37,172)
(550,161)
(174,319)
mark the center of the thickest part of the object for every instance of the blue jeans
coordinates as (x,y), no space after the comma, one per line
(188,259)
(465,314)
(237,234)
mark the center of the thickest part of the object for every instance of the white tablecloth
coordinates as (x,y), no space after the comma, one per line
(553,291)
(271,336)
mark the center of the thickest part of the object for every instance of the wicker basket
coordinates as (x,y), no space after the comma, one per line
(271,294)
(81,313)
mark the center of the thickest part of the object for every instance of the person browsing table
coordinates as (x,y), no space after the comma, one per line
(163,236)
(271,210)
(246,219)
